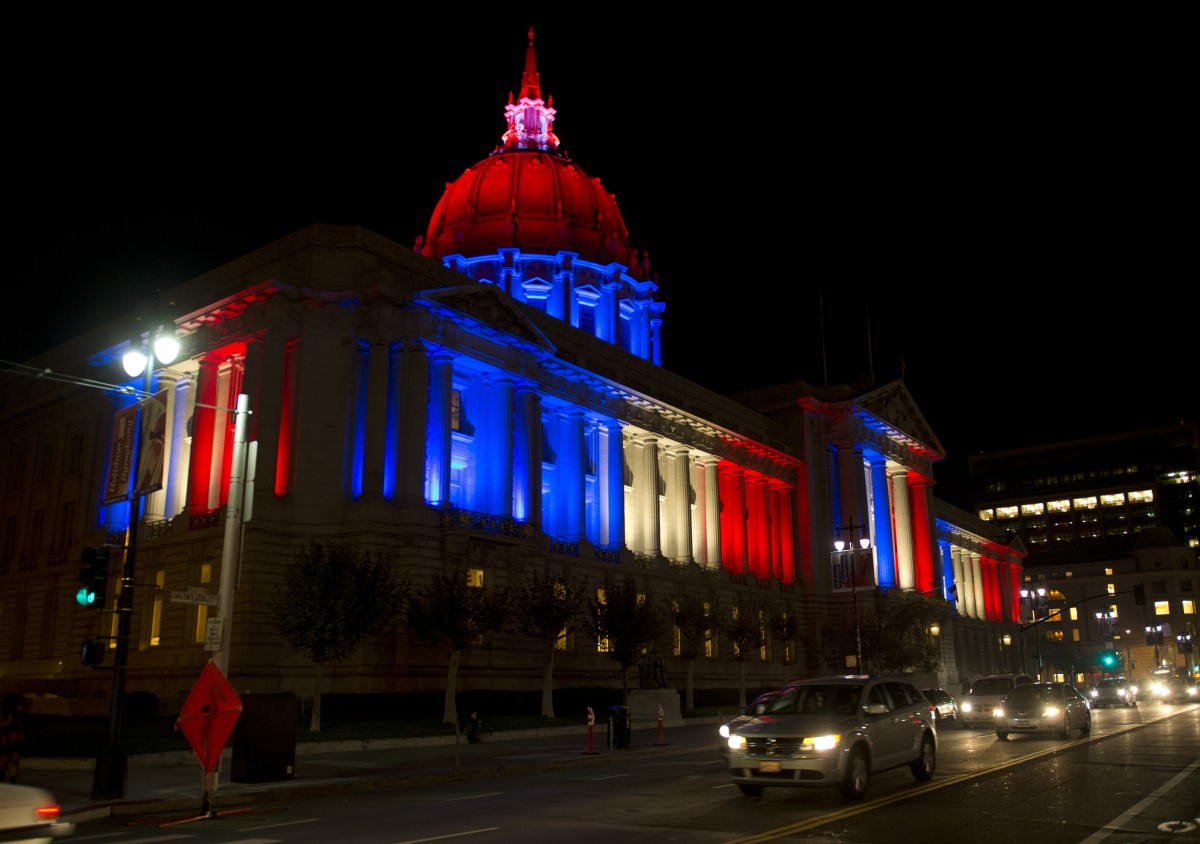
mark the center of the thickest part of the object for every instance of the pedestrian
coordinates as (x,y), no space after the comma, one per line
(473,725)
(14,735)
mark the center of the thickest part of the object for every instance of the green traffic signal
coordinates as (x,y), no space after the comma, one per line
(94,577)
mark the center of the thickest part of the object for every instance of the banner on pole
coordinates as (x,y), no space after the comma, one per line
(120,459)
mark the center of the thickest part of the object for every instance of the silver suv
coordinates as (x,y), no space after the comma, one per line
(975,707)
(835,731)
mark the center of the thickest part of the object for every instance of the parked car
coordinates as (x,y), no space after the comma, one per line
(30,815)
(835,731)
(1176,690)
(944,704)
(1113,691)
(753,709)
(1043,707)
(975,707)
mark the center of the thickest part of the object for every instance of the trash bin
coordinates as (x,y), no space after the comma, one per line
(619,727)
(264,738)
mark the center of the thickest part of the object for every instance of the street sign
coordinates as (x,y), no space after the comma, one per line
(193,595)
(208,716)
(212,635)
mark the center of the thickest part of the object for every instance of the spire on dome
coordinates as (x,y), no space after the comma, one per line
(530,119)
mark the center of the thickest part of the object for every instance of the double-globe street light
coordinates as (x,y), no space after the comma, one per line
(841,544)
(109,774)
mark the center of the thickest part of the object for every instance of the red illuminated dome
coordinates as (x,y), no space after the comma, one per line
(528,194)
(531,200)
(532,222)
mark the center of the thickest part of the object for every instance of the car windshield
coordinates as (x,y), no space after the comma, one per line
(992,686)
(816,700)
(1030,693)
(1111,683)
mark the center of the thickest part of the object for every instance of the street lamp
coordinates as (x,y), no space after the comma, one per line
(108,775)
(840,544)
(1005,642)
(1034,599)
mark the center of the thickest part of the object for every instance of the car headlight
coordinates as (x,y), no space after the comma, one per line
(736,743)
(1051,711)
(813,743)
(724,731)
(998,712)
(966,706)
(1095,693)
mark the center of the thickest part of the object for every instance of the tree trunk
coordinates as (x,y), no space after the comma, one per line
(315,725)
(450,710)
(691,697)
(548,684)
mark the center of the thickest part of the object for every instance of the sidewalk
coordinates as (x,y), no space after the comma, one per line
(173,783)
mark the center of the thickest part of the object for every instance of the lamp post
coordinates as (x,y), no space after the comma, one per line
(108,775)
(1154,636)
(1129,666)
(841,544)
(1005,643)
(1034,599)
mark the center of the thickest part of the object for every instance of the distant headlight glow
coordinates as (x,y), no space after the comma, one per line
(1051,711)
(724,731)
(736,743)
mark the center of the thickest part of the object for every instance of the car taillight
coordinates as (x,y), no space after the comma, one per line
(47,812)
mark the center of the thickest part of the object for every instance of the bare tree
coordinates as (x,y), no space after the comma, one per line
(330,601)
(694,617)
(744,629)
(455,615)
(626,621)
(546,606)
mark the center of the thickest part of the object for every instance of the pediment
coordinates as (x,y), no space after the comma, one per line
(489,306)
(894,405)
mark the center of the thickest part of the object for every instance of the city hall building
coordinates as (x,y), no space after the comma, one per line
(484,404)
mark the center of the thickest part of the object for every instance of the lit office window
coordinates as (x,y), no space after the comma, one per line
(1113,499)
(1189,606)
(1089,503)
(1141,496)
(1006,512)
(160,580)
(1037,509)
(986,515)
(1162,607)
(1063,505)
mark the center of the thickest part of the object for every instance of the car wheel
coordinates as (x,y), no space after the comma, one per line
(858,775)
(750,790)
(924,765)
(1002,734)
(1065,732)
(1086,727)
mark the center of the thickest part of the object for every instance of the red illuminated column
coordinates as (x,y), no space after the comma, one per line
(922,522)
(203,422)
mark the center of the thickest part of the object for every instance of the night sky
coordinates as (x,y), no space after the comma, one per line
(990,209)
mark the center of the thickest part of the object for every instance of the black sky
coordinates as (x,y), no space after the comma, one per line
(997,208)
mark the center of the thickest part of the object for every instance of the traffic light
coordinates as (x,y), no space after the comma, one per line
(92,652)
(1108,659)
(1139,594)
(94,577)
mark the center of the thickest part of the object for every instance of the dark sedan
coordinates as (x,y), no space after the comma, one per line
(1043,707)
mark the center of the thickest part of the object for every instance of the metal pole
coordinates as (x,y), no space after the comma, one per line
(857,627)
(230,554)
(109,773)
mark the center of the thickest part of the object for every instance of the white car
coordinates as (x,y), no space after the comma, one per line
(30,815)
(976,706)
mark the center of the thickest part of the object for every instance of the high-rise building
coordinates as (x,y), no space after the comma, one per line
(1112,527)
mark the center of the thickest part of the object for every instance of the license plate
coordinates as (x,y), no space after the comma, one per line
(769,767)
(1021,723)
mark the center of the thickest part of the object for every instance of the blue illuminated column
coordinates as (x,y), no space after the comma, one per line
(437,457)
(571,485)
(527,455)
(611,480)
(881,519)
(495,468)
